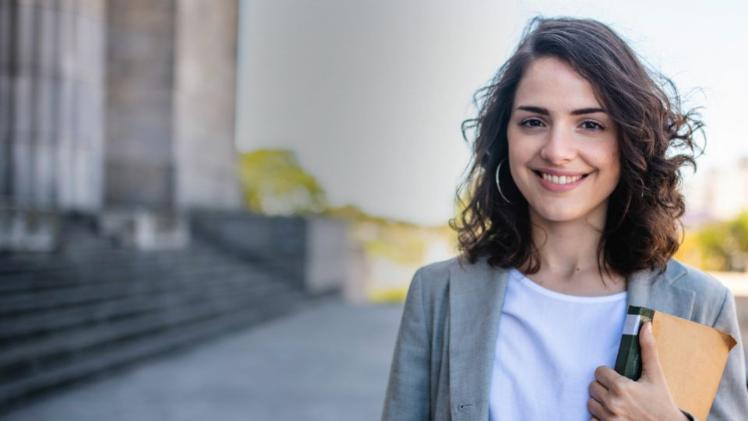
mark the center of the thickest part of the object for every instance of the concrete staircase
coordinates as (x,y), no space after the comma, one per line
(94,307)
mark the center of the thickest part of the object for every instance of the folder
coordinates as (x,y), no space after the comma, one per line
(693,356)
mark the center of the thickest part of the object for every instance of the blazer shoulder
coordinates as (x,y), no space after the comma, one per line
(438,269)
(710,293)
(434,279)
(702,283)
(437,274)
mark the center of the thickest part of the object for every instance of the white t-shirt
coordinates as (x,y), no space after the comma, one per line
(548,348)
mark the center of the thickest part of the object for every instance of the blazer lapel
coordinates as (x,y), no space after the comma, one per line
(660,291)
(476,295)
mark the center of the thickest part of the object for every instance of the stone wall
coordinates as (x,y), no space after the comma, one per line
(330,258)
(312,253)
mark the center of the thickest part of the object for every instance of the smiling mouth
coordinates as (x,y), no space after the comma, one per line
(560,179)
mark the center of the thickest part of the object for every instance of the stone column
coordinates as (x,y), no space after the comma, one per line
(82,105)
(140,87)
(51,123)
(204,104)
(170,116)
(171,104)
(51,87)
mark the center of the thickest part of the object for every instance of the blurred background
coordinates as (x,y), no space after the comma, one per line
(213,208)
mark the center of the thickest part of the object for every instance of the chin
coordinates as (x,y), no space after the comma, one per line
(559,215)
(568,212)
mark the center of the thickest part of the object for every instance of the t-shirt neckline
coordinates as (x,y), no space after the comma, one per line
(565,297)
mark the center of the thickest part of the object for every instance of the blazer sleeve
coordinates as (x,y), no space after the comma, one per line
(731,402)
(407,396)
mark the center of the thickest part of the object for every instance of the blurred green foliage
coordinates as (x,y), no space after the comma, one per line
(274,183)
(719,246)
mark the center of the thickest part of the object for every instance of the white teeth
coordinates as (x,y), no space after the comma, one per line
(564,179)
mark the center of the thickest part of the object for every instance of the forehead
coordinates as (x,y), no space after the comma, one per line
(553,84)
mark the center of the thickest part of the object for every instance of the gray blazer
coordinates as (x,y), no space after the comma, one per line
(441,369)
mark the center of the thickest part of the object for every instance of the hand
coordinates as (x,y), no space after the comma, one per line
(615,397)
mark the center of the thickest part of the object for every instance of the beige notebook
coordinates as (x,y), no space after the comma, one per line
(693,357)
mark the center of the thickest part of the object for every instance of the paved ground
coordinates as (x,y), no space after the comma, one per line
(329,363)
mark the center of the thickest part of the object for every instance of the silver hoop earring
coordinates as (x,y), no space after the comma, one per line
(498,184)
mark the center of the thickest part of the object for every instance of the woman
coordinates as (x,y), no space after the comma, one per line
(572,214)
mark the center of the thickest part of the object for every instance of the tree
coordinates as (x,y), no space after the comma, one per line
(719,246)
(274,183)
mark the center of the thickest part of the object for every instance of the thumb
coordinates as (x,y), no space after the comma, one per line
(651,368)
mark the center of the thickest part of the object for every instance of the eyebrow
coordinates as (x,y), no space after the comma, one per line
(544,111)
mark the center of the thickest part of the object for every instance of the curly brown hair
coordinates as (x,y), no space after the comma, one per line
(656,139)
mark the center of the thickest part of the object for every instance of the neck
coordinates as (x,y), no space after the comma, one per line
(569,247)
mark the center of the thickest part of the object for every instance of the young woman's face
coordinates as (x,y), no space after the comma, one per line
(563,147)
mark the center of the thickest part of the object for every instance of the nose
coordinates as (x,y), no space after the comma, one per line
(559,147)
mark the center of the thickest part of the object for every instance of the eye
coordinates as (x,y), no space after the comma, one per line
(531,122)
(592,125)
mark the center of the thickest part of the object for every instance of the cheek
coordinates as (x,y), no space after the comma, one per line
(609,163)
(517,157)
(519,151)
(605,156)
(615,162)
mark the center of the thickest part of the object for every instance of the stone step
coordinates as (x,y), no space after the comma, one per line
(89,293)
(20,360)
(83,272)
(93,306)
(88,363)
(19,276)
(17,329)
(95,275)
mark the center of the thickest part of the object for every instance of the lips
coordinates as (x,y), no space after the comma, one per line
(560,181)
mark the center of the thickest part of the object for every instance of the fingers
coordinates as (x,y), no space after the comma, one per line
(598,411)
(609,388)
(597,404)
(608,377)
(650,361)
(598,391)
